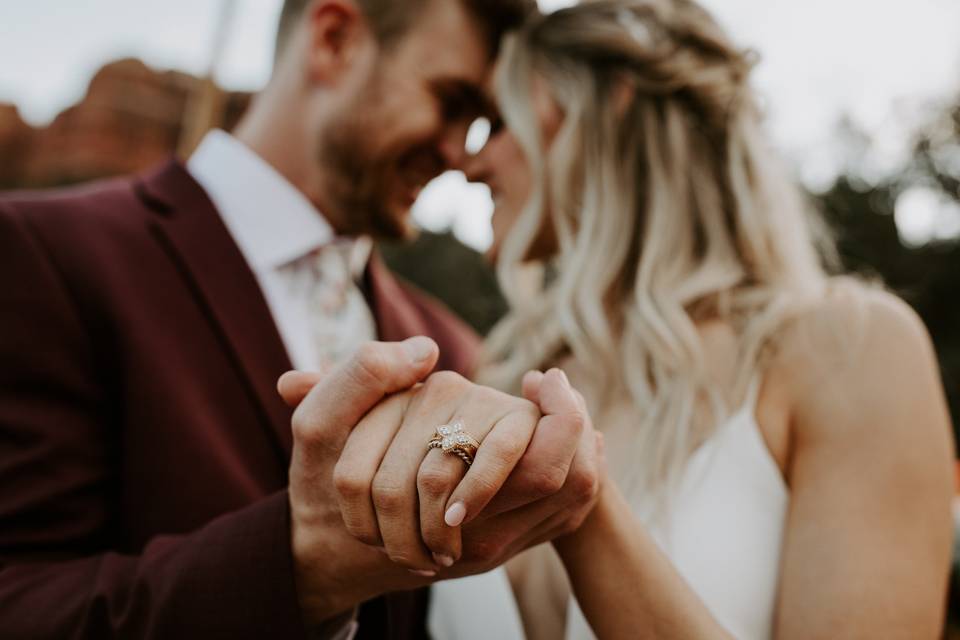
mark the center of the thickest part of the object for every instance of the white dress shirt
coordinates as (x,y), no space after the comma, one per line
(275,227)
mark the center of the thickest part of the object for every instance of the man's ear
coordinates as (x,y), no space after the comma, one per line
(336,32)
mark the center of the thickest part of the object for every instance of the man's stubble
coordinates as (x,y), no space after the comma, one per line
(358,174)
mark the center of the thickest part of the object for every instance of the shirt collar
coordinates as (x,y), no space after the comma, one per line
(271,221)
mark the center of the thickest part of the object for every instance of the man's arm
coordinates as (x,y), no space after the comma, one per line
(231,579)
(58,576)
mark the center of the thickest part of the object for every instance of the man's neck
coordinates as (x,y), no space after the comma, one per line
(272,129)
(275,140)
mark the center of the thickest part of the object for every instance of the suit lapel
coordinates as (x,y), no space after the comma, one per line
(225,287)
(401,313)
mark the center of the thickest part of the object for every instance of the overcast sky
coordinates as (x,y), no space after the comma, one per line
(881,62)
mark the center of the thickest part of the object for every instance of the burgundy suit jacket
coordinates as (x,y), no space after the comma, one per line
(143,447)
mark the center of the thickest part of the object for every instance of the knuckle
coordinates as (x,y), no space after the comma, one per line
(503,447)
(435,540)
(572,525)
(369,539)
(445,381)
(300,424)
(444,384)
(548,482)
(578,421)
(299,429)
(486,396)
(482,488)
(388,498)
(349,485)
(524,406)
(401,558)
(361,532)
(369,366)
(584,485)
(433,481)
(306,431)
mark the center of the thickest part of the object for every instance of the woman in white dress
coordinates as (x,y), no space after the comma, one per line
(779,449)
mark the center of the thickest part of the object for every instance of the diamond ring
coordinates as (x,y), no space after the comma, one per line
(452,438)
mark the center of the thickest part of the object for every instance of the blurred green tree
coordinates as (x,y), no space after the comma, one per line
(927,275)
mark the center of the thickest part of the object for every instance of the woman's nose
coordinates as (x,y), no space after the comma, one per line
(453,145)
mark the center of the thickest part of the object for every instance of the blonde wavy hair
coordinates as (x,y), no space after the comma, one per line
(669,209)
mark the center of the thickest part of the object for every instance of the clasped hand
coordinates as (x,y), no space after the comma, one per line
(362,469)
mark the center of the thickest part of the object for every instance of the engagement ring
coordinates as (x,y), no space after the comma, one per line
(452,438)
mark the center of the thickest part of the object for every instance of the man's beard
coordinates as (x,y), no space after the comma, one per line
(358,181)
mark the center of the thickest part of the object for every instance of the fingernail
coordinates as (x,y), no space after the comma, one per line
(419,348)
(455,514)
(443,560)
(563,376)
(423,574)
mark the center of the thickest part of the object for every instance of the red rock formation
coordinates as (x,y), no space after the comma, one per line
(15,136)
(129,120)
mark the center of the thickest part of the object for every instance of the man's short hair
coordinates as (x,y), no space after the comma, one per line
(390,19)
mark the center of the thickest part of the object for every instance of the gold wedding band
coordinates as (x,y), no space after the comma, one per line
(453,439)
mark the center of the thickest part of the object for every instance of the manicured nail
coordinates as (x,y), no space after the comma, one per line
(423,574)
(455,514)
(419,348)
(443,560)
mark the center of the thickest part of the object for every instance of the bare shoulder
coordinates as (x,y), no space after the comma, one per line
(859,359)
(853,318)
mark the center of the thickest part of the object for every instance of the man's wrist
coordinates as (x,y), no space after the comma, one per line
(335,573)
(322,572)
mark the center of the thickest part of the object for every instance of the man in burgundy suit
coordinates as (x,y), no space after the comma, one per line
(144,451)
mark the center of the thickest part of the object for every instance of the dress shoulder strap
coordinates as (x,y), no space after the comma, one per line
(752,397)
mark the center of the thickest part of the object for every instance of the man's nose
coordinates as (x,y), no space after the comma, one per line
(453,146)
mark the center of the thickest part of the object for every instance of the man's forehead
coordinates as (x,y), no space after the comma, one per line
(449,43)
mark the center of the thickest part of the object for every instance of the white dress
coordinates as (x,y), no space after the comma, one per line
(724,535)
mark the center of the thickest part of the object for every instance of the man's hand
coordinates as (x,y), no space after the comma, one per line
(334,572)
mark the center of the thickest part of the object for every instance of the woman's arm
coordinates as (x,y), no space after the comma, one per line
(867,549)
(866,552)
(624,585)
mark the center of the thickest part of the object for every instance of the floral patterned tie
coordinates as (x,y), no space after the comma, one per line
(340,319)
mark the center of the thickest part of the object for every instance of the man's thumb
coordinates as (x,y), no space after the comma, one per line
(293,386)
(335,404)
